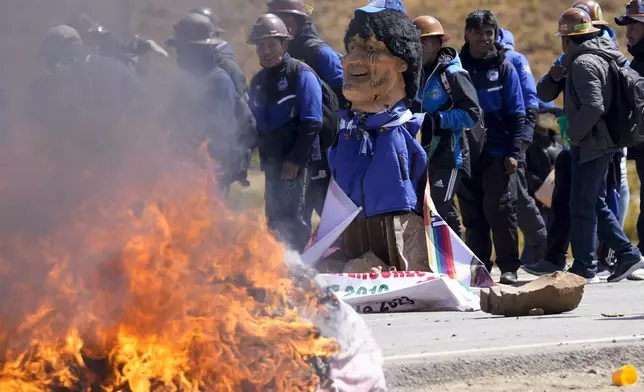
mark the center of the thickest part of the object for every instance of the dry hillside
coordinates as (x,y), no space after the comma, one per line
(24,22)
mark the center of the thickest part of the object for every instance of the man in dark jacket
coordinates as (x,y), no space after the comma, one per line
(588,95)
(634,22)
(287,143)
(488,199)
(450,100)
(531,222)
(204,101)
(319,55)
(225,59)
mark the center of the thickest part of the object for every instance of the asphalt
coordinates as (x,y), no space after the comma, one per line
(424,348)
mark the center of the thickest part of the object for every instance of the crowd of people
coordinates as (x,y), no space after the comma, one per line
(402,108)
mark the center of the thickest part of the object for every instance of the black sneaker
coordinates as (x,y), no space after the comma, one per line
(624,268)
(509,278)
(542,267)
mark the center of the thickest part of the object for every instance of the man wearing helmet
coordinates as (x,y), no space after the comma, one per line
(286,99)
(307,46)
(204,101)
(449,98)
(588,95)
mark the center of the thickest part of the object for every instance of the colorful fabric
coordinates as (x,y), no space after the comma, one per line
(447,253)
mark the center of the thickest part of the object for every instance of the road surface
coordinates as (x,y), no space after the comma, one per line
(421,349)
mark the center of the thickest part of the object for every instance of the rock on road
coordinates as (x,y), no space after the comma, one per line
(454,349)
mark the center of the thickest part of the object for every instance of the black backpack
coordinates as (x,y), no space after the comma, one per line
(625,116)
(475,137)
(330,105)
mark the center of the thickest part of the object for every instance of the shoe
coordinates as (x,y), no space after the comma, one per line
(593,280)
(589,280)
(542,267)
(625,268)
(509,278)
(636,275)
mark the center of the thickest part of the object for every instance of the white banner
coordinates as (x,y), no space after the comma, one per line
(402,291)
(339,211)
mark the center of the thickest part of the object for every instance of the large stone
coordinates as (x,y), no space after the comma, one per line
(555,293)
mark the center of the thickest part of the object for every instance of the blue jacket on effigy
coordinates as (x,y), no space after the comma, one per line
(377,161)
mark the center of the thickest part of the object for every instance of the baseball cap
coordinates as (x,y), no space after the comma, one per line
(381,5)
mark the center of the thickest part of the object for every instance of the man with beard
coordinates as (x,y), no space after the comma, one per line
(488,199)
(203,109)
(319,55)
(286,99)
(633,19)
(449,99)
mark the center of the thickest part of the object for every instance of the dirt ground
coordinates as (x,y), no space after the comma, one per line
(582,381)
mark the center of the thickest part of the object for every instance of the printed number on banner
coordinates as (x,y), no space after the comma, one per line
(362,290)
(386,305)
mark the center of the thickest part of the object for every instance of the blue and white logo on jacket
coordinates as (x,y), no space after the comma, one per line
(282,85)
(493,75)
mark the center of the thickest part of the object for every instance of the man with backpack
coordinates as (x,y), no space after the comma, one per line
(449,99)
(205,99)
(326,62)
(286,99)
(225,59)
(590,90)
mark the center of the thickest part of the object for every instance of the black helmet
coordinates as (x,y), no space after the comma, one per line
(268,25)
(205,11)
(194,29)
(60,41)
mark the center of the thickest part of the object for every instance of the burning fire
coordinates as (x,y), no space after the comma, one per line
(141,280)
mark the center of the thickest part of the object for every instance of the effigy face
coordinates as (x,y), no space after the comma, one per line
(373,77)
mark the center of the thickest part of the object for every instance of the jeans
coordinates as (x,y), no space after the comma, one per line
(590,216)
(488,201)
(285,206)
(639,165)
(559,220)
(624,192)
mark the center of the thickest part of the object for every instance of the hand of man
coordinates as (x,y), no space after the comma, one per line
(511,165)
(557,72)
(289,171)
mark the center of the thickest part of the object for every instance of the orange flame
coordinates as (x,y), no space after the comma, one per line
(154,286)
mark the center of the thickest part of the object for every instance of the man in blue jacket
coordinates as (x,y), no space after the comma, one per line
(286,99)
(531,222)
(449,99)
(488,199)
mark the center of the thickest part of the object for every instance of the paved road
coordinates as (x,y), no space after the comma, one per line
(437,342)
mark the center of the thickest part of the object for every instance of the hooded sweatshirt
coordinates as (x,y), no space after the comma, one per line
(225,58)
(499,91)
(587,97)
(319,55)
(447,93)
(377,160)
(528,85)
